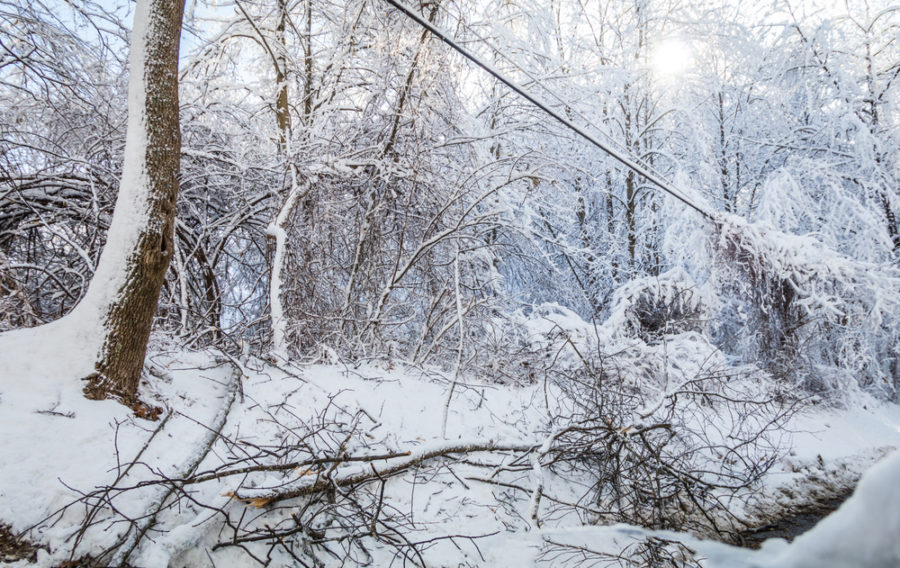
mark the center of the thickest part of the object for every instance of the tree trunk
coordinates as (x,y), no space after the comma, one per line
(282,108)
(125,289)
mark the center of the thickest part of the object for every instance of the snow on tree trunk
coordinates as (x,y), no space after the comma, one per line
(125,289)
(276,230)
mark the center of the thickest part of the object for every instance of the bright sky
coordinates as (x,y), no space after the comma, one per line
(671,58)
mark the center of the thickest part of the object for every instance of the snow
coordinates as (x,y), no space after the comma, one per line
(51,435)
(277,232)
(51,459)
(469,467)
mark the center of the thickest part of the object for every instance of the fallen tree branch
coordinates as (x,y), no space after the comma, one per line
(104,498)
(133,539)
(412,459)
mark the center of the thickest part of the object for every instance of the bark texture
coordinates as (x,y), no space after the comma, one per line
(156,146)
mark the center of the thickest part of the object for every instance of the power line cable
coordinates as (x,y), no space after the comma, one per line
(627,161)
(537,81)
(671,189)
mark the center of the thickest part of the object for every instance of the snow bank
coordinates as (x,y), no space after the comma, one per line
(57,445)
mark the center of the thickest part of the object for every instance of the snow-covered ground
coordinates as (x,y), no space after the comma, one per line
(58,447)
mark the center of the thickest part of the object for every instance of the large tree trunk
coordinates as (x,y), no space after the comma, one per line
(125,289)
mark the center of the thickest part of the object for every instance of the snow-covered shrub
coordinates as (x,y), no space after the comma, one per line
(657,305)
(806,312)
(662,430)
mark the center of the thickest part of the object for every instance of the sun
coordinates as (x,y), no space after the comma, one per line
(671,58)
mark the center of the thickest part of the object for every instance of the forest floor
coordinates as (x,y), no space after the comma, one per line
(77,477)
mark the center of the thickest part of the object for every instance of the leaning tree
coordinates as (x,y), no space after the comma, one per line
(106,334)
(125,288)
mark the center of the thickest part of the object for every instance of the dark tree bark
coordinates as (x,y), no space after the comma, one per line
(282,108)
(132,267)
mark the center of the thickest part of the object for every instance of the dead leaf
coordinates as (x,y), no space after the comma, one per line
(258,502)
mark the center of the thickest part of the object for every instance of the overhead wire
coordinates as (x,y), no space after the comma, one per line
(569,106)
(539,82)
(618,155)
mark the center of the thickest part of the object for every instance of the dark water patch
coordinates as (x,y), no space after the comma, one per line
(793,522)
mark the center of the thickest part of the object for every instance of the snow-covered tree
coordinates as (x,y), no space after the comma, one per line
(114,318)
(125,288)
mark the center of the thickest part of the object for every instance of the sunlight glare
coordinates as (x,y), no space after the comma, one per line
(671,58)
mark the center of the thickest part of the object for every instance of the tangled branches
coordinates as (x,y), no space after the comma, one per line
(667,434)
(651,551)
(279,482)
(314,489)
(679,458)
